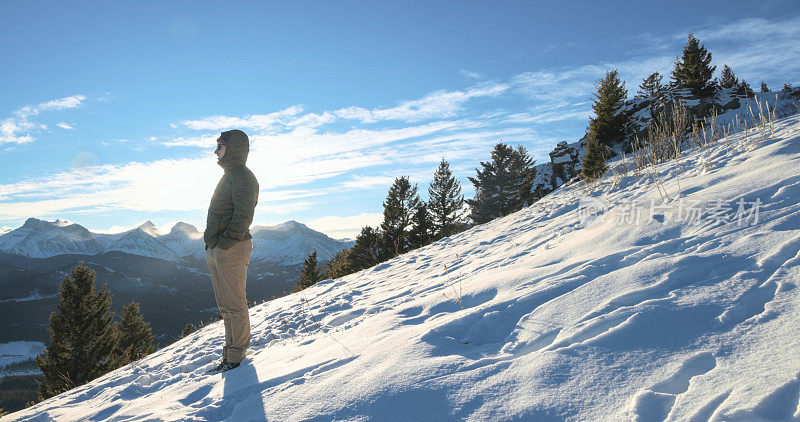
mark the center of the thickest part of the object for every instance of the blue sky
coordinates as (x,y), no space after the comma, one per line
(110,110)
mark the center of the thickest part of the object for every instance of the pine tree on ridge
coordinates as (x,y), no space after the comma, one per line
(367,250)
(594,162)
(83,338)
(135,336)
(310,274)
(399,207)
(727,79)
(421,233)
(445,203)
(693,71)
(610,121)
(503,184)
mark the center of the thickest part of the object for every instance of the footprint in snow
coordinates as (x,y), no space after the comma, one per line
(656,402)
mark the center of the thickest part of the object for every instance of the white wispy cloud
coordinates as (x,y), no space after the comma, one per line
(133,186)
(361,182)
(289,117)
(202,141)
(756,48)
(548,116)
(575,85)
(253,121)
(345,227)
(58,104)
(288,151)
(19,128)
(469,74)
(303,143)
(11,131)
(267,212)
(114,229)
(65,126)
(283,163)
(751,29)
(436,105)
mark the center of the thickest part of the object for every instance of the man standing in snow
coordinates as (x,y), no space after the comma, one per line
(229,243)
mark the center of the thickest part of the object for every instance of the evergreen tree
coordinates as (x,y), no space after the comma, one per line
(135,337)
(446,203)
(339,264)
(594,162)
(652,87)
(83,338)
(787,87)
(743,89)
(693,70)
(503,185)
(658,93)
(727,78)
(398,211)
(367,250)
(764,87)
(310,274)
(188,329)
(421,233)
(609,124)
(523,174)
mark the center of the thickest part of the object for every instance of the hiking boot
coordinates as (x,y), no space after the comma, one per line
(218,367)
(227,366)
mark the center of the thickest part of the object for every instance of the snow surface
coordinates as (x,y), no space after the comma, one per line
(18,351)
(34,295)
(551,313)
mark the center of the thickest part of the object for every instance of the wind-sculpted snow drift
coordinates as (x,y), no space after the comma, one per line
(627,311)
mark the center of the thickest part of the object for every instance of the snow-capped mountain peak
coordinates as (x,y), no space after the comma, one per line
(181,227)
(280,227)
(291,242)
(140,242)
(38,239)
(149,228)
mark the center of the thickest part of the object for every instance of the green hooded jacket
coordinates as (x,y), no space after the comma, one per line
(234,202)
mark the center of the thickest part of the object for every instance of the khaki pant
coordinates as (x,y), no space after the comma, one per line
(228,270)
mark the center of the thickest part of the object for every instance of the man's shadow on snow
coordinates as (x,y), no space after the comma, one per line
(243,392)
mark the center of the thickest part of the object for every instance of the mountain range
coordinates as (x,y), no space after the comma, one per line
(287,243)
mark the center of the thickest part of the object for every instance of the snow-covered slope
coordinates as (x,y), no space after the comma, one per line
(566,310)
(732,110)
(19,351)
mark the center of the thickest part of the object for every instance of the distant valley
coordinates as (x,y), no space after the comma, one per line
(165,273)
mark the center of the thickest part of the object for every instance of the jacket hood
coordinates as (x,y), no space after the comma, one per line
(237,146)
